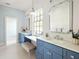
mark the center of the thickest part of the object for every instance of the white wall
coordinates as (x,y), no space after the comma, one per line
(76,15)
(6,11)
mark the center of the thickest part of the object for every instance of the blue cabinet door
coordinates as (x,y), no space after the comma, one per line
(47,54)
(40,46)
(72,55)
(21,38)
(68,54)
(57,56)
(64,57)
(47,51)
(40,50)
(39,55)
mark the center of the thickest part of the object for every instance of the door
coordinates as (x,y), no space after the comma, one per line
(11,30)
(39,55)
(72,55)
(57,56)
(47,54)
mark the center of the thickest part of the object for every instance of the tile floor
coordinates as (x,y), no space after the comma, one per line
(14,51)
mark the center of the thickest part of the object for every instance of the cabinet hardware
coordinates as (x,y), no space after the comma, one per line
(72,57)
(48,53)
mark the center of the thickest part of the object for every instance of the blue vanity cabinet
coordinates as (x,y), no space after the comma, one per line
(52,51)
(47,51)
(64,54)
(21,38)
(70,54)
(48,54)
(39,55)
(56,56)
(40,50)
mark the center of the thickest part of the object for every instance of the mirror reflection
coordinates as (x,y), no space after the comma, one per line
(61,17)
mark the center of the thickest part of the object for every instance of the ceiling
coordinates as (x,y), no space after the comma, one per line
(18,4)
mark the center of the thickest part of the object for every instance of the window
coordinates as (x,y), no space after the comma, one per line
(37,22)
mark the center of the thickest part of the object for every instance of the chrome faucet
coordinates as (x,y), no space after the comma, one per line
(58,37)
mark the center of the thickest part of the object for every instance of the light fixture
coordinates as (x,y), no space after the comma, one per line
(50,1)
(7,3)
(33,10)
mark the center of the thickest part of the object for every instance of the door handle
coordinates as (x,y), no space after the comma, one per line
(72,57)
(48,53)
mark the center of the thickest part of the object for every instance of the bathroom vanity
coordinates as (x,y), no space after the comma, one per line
(56,49)
(61,22)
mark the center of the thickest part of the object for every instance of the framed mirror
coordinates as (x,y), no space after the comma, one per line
(60,17)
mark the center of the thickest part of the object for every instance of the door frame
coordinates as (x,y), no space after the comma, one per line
(5,28)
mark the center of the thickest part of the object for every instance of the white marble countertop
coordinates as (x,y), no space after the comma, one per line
(33,38)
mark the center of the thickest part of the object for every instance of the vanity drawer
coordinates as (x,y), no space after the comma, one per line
(56,49)
(40,45)
(72,55)
(50,46)
(68,54)
(64,52)
(53,48)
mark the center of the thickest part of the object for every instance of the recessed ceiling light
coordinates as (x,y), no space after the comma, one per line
(50,1)
(7,3)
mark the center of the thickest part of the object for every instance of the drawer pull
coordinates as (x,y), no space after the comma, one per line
(48,53)
(72,57)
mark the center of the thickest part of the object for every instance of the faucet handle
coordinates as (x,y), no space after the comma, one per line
(58,37)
